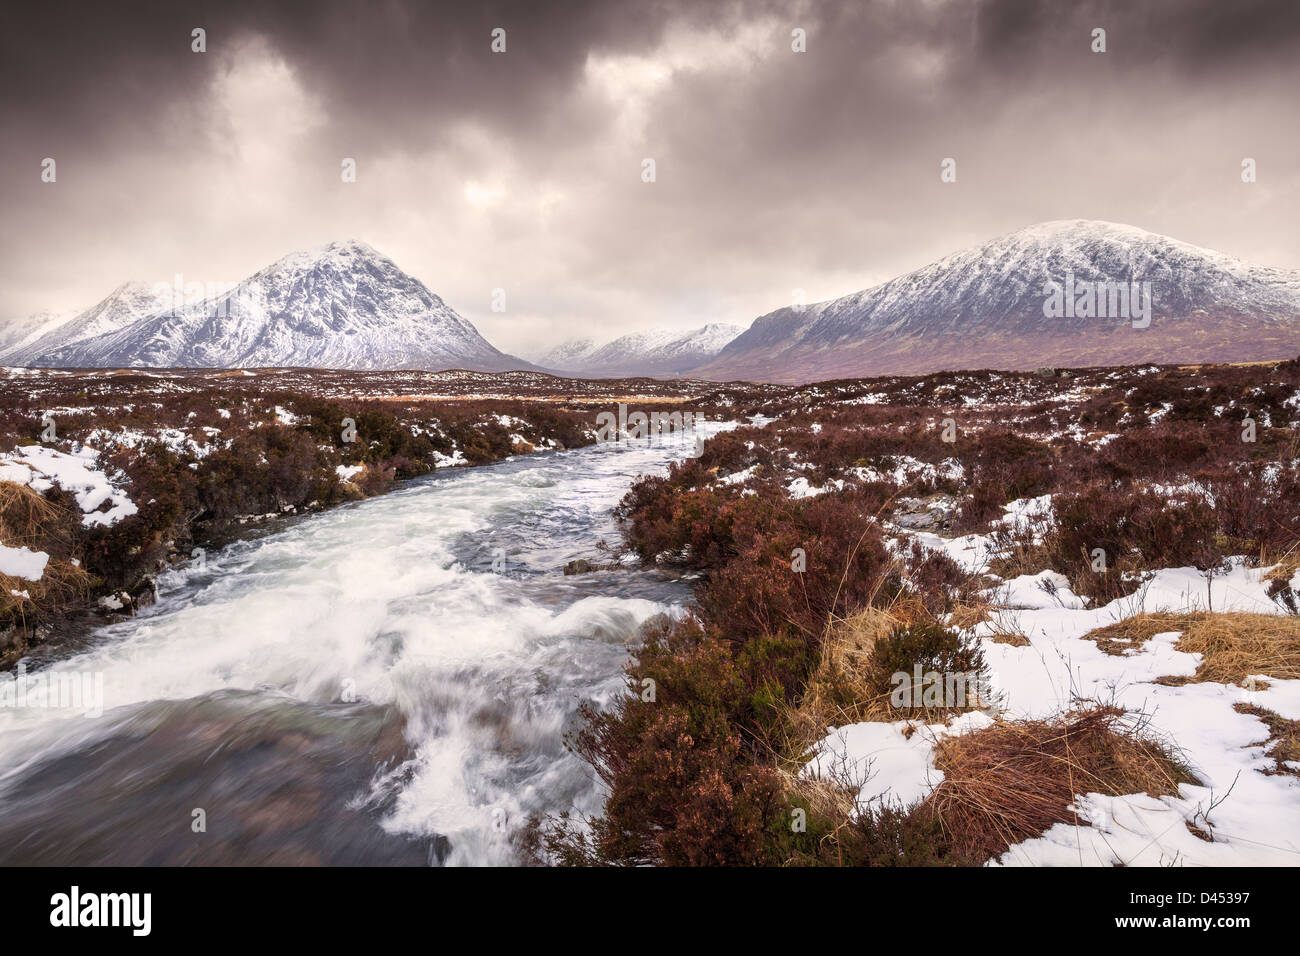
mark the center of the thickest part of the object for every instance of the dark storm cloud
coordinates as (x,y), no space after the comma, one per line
(817,170)
(88,69)
(84,68)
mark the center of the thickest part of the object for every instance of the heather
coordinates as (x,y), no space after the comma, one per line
(816,534)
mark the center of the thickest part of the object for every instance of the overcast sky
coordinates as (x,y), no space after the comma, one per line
(522,170)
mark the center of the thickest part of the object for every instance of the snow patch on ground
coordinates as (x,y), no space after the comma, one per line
(889,762)
(457,457)
(23,562)
(1252,816)
(79,473)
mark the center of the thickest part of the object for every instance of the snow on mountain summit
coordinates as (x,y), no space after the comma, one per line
(124,305)
(651,352)
(341,305)
(985,307)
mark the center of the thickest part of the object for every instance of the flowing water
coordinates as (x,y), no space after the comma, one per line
(362,686)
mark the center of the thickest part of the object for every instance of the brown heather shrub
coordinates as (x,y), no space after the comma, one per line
(937,582)
(891,835)
(1258,513)
(1001,466)
(684,787)
(1164,452)
(264,471)
(757,592)
(1138,530)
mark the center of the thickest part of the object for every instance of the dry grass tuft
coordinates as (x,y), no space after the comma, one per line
(1016,779)
(1128,635)
(1014,638)
(1232,646)
(966,616)
(829,798)
(26,516)
(28,519)
(841,692)
(1283,741)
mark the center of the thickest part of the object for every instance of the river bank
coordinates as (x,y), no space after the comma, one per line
(386,682)
(977,618)
(111,478)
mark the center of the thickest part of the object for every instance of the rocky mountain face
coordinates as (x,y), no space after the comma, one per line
(1065,293)
(341,306)
(657,353)
(49,332)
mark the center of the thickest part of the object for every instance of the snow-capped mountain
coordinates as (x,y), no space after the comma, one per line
(568,354)
(19,333)
(124,305)
(989,306)
(340,306)
(662,352)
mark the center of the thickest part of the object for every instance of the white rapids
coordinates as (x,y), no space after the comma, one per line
(290,653)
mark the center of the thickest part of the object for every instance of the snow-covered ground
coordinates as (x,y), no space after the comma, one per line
(1253,817)
(101,502)
(23,562)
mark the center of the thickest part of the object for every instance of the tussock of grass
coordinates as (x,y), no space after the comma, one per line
(831,799)
(860,654)
(1128,635)
(965,616)
(1232,646)
(1014,638)
(1283,741)
(842,690)
(28,519)
(1014,780)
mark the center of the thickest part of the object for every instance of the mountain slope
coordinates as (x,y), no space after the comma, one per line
(341,306)
(984,307)
(19,333)
(568,354)
(124,305)
(662,352)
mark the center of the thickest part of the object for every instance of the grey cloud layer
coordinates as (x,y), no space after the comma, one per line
(775,170)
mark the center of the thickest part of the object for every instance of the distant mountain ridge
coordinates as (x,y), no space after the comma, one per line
(124,305)
(984,308)
(344,305)
(658,352)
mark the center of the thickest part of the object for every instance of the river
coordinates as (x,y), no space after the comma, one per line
(359,686)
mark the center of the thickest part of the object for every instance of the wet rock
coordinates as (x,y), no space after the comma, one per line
(114,603)
(144,594)
(934,513)
(579,566)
